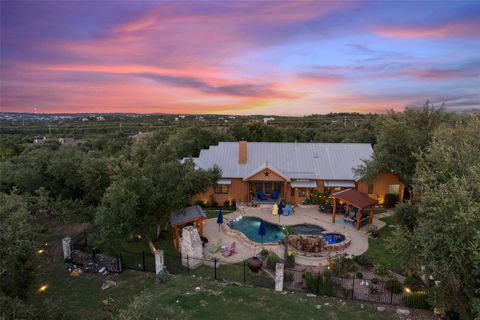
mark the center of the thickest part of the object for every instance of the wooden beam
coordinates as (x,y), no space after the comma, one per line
(334,209)
(371,215)
(359,215)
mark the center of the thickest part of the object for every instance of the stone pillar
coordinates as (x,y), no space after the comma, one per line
(159,261)
(279,277)
(191,247)
(67,250)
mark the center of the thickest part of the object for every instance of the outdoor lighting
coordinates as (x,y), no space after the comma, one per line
(40,251)
(407,290)
(43,288)
(139,236)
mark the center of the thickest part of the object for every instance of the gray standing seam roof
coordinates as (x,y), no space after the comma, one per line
(189,214)
(322,161)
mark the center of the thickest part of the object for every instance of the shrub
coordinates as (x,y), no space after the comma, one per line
(326,283)
(226,204)
(374,233)
(394,286)
(406,215)
(264,253)
(380,269)
(272,260)
(163,276)
(200,203)
(233,203)
(391,200)
(311,281)
(288,276)
(373,288)
(418,299)
(374,280)
(414,283)
(290,260)
(359,275)
(213,202)
(364,260)
(342,265)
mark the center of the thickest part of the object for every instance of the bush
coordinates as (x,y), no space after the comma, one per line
(374,280)
(233,203)
(213,202)
(264,253)
(380,269)
(391,200)
(374,233)
(359,275)
(311,281)
(288,277)
(290,260)
(364,260)
(342,265)
(406,215)
(272,260)
(163,276)
(226,204)
(414,283)
(200,203)
(394,286)
(418,299)
(373,288)
(321,284)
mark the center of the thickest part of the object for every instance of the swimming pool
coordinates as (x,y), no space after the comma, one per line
(249,226)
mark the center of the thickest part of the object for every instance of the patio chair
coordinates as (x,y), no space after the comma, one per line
(230,250)
(217,246)
(274,195)
(261,195)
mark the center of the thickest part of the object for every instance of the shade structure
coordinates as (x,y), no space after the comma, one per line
(261,230)
(355,199)
(220,218)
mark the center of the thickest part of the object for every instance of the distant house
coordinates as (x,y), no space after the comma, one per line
(100,118)
(84,119)
(141,135)
(70,141)
(290,171)
(267,120)
(38,141)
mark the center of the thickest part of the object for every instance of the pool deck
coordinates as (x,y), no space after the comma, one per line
(304,214)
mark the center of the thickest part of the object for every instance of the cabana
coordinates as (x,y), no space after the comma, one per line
(193,214)
(355,199)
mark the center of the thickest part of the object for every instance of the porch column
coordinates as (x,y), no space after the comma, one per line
(371,215)
(334,209)
(359,215)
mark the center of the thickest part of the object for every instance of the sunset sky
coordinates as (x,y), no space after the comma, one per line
(238,57)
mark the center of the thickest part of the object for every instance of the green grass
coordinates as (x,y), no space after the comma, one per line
(213,213)
(378,250)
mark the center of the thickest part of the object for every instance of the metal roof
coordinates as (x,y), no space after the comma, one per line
(303,184)
(355,198)
(224,181)
(343,184)
(188,214)
(325,161)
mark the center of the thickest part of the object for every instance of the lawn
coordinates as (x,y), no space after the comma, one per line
(378,250)
(81,297)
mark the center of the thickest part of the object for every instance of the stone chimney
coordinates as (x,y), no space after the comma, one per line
(242,151)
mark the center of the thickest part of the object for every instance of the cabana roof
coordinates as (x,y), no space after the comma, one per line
(189,214)
(355,198)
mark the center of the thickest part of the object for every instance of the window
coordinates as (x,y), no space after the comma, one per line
(302,192)
(370,188)
(221,189)
(394,188)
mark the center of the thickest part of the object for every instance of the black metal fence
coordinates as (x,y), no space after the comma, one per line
(368,290)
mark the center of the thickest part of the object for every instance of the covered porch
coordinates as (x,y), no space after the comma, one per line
(267,184)
(356,200)
(193,215)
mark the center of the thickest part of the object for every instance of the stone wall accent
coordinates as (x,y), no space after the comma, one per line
(159,261)
(279,277)
(67,250)
(191,247)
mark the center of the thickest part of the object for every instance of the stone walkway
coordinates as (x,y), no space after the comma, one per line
(306,214)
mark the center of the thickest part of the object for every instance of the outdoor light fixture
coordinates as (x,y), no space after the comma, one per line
(139,236)
(407,290)
(40,251)
(43,288)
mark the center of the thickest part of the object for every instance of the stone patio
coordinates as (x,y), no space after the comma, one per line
(303,214)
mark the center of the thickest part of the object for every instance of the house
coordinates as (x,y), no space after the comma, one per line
(291,170)
(267,120)
(70,141)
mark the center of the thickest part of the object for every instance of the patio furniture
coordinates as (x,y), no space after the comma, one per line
(230,250)
(326,208)
(204,240)
(274,195)
(287,210)
(261,195)
(217,246)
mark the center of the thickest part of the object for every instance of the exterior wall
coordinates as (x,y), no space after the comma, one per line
(296,198)
(380,186)
(260,176)
(238,190)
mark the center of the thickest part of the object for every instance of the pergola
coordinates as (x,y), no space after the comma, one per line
(193,214)
(355,199)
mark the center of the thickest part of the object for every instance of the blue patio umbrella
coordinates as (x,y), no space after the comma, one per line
(261,230)
(219,219)
(280,210)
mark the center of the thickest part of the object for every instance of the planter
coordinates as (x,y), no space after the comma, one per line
(255,264)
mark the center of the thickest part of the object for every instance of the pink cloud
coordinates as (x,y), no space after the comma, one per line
(448,30)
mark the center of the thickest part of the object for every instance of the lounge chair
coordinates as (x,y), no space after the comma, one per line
(261,195)
(274,195)
(230,250)
(217,246)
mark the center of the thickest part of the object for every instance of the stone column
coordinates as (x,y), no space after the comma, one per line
(67,250)
(191,247)
(159,261)
(279,277)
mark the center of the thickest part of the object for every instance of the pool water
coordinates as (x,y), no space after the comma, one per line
(332,238)
(250,225)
